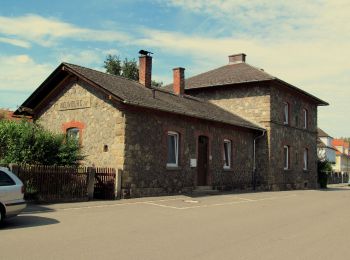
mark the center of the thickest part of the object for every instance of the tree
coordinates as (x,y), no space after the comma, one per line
(28,143)
(127,68)
(112,64)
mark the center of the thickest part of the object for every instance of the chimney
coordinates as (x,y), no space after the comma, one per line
(237,58)
(145,70)
(179,81)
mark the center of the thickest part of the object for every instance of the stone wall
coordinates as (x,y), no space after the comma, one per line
(145,171)
(100,121)
(249,100)
(252,102)
(296,137)
(262,103)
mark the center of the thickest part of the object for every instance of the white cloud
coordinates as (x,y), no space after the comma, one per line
(22,73)
(83,57)
(46,31)
(15,42)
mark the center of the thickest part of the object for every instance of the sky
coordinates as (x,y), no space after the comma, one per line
(306,43)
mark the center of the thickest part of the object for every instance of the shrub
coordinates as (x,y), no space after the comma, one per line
(25,142)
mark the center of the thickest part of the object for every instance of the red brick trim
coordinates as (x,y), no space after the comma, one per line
(74,124)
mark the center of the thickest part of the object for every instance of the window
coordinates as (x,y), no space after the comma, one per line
(227,154)
(173,149)
(286,114)
(306,155)
(286,157)
(73,133)
(305,116)
(5,180)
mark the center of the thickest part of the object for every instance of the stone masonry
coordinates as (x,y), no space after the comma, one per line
(101,124)
(262,103)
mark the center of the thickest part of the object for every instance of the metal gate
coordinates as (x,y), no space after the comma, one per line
(105,180)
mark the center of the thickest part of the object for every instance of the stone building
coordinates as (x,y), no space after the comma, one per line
(235,127)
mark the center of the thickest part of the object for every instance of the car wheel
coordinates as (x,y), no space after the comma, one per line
(2,214)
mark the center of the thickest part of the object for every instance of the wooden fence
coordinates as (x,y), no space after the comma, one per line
(58,183)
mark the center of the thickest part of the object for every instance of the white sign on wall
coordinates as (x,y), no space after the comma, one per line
(193,163)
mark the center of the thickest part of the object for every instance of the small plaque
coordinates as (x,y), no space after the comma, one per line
(74,104)
(193,163)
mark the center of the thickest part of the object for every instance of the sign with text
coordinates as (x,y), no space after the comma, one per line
(74,104)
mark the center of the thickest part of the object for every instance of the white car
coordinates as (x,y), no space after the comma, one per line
(11,194)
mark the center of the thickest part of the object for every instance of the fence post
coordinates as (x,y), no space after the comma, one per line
(118,184)
(91,182)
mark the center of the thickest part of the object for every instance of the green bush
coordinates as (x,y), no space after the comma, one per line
(25,142)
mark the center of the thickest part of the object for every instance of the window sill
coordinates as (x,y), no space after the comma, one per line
(173,168)
(287,170)
(227,169)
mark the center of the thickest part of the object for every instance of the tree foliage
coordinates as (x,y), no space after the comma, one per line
(126,68)
(28,143)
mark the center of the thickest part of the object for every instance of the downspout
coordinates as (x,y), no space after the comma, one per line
(254,158)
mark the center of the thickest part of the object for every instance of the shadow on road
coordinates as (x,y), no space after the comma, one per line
(33,208)
(26,221)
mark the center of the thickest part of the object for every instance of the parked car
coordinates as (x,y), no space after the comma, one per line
(11,194)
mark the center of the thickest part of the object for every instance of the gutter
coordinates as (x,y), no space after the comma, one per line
(254,158)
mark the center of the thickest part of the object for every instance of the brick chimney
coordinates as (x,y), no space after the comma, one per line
(237,58)
(145,70)
(179,81)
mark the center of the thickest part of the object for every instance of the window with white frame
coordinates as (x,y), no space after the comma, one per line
(305,116)
(286,113)
(306,155)
(173,149)
(286,157)
(227,153)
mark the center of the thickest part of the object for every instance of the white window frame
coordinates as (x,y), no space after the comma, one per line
(305,159)
(305,114)
(286,160)
(229,153)
(176,164)
(286,113)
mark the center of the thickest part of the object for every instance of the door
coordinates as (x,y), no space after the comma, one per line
(202,161)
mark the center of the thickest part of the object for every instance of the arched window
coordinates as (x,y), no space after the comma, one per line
(227,153)
(306,155)
(286,113)
(286,157)
(173,149)
(305,116)
(73,133)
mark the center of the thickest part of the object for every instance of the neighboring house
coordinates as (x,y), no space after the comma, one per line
(231,128)
(9,115)
(325,148)
(6,114)
(342,164)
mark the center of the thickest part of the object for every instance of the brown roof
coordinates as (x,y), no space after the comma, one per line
(133,93)
(235,73)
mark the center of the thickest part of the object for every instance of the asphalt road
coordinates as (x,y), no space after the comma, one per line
(270,225)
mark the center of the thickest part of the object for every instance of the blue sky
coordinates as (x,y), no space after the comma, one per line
(305,43)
